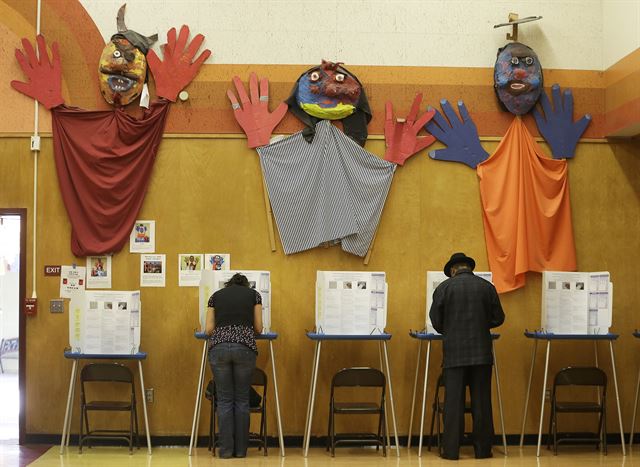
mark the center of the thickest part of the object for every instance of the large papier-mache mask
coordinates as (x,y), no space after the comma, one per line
(517,78)
(328,92)
(123,64)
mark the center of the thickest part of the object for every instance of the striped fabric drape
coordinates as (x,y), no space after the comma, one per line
(329,190)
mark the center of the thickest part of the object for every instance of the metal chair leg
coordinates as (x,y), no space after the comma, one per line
(135,418)
(80,436)
(329,429)
(550,429)
(384,444)
(210,442)
(433,420)
(604,425)
(379,439)
(213,428)
(131,429)
(264,427)
(333,434)
(554,415)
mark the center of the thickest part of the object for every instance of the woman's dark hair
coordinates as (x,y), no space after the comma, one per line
(237,279)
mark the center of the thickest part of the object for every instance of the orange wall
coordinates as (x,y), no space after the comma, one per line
(622,96)
(208,110)
(206,195)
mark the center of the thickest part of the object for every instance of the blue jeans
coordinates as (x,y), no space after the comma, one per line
(232,366)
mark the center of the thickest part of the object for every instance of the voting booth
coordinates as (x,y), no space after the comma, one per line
(105,322)
(212,281)
(434,279)
(351,302)
(576,302)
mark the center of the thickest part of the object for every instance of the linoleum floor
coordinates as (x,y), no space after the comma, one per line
(345,457)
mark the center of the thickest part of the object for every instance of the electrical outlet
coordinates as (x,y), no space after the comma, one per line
(148,393)
(56,305)
(547,394)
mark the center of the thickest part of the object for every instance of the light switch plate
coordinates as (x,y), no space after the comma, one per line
(56,305)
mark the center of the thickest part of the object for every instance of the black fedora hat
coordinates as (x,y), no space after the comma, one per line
(457,258)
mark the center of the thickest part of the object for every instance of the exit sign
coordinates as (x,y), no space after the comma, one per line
(50,270)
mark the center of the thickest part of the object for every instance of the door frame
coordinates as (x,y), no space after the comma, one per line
(22,323)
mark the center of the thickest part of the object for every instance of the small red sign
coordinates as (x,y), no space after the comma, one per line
(30,306)
(50,270)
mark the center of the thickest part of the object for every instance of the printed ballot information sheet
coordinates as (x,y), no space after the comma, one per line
(576,302)
(105,322)
(351,302)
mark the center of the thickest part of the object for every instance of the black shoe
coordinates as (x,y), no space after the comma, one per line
(451,458)
(484,456)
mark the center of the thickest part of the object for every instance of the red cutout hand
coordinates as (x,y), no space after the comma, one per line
(176,70)
(401,138)
(44,77)
(254,116)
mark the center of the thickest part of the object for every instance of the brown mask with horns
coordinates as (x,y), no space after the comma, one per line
(123,64)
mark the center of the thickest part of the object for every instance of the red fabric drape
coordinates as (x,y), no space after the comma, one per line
(526,210)
(104,161)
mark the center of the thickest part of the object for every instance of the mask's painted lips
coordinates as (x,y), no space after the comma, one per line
(119,83)
(517,87)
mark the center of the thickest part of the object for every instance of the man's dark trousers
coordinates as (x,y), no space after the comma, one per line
(478,377)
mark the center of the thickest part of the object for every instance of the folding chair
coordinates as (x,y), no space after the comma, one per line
(257,404)
(8,349)
(584,377)
(112,374)
(438,411)
(357,377)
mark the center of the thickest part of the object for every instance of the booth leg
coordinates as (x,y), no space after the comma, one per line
(393,410)
(67,413)
(275,390)
(424,397)
(193,441)
(413,397)
(312,396)
(635,408)
(495,362)
(526,398)
(544,391)
(615,386)
(144,407)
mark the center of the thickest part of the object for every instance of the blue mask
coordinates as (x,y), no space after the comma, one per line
(517,78)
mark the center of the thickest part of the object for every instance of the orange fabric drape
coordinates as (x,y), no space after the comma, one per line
(526,210)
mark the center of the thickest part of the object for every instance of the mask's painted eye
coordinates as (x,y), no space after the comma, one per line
(117,54)
(339,77)
(528,61)
(314,76)
(515,60)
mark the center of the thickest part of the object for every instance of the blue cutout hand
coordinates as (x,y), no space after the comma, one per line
(461,137)
(557,125)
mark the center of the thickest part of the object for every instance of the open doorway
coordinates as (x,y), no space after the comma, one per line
(12,324)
